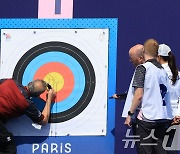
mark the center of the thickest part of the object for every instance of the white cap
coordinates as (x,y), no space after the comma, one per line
(164,50)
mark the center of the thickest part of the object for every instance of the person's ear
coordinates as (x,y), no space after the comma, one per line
(141,58)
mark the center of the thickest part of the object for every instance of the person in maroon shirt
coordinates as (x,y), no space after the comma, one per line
(15,100)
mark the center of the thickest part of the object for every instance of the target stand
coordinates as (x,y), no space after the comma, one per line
(77,58)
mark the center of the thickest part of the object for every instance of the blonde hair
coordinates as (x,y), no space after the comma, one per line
(151,47)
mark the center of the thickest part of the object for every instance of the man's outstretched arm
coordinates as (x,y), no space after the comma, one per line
(46,110)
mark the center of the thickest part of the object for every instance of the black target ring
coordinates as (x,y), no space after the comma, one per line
(83,61)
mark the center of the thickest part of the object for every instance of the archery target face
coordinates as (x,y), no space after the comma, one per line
(74,62)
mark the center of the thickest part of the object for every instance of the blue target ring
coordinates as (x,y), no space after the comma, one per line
(74,59)
(69,61)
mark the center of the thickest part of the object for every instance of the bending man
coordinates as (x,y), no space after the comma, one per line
(15,100)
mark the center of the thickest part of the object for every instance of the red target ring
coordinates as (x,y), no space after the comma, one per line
(64,86)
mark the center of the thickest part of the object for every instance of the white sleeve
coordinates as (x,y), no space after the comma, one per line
(178,109)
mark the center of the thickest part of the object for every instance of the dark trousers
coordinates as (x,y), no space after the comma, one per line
(135,132)
(151,137)
(7,144)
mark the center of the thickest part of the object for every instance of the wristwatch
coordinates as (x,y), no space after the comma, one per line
(130,114)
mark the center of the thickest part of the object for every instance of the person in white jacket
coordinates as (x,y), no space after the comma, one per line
(168,62)
(150,85)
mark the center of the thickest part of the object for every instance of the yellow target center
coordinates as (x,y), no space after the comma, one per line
(56,80)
